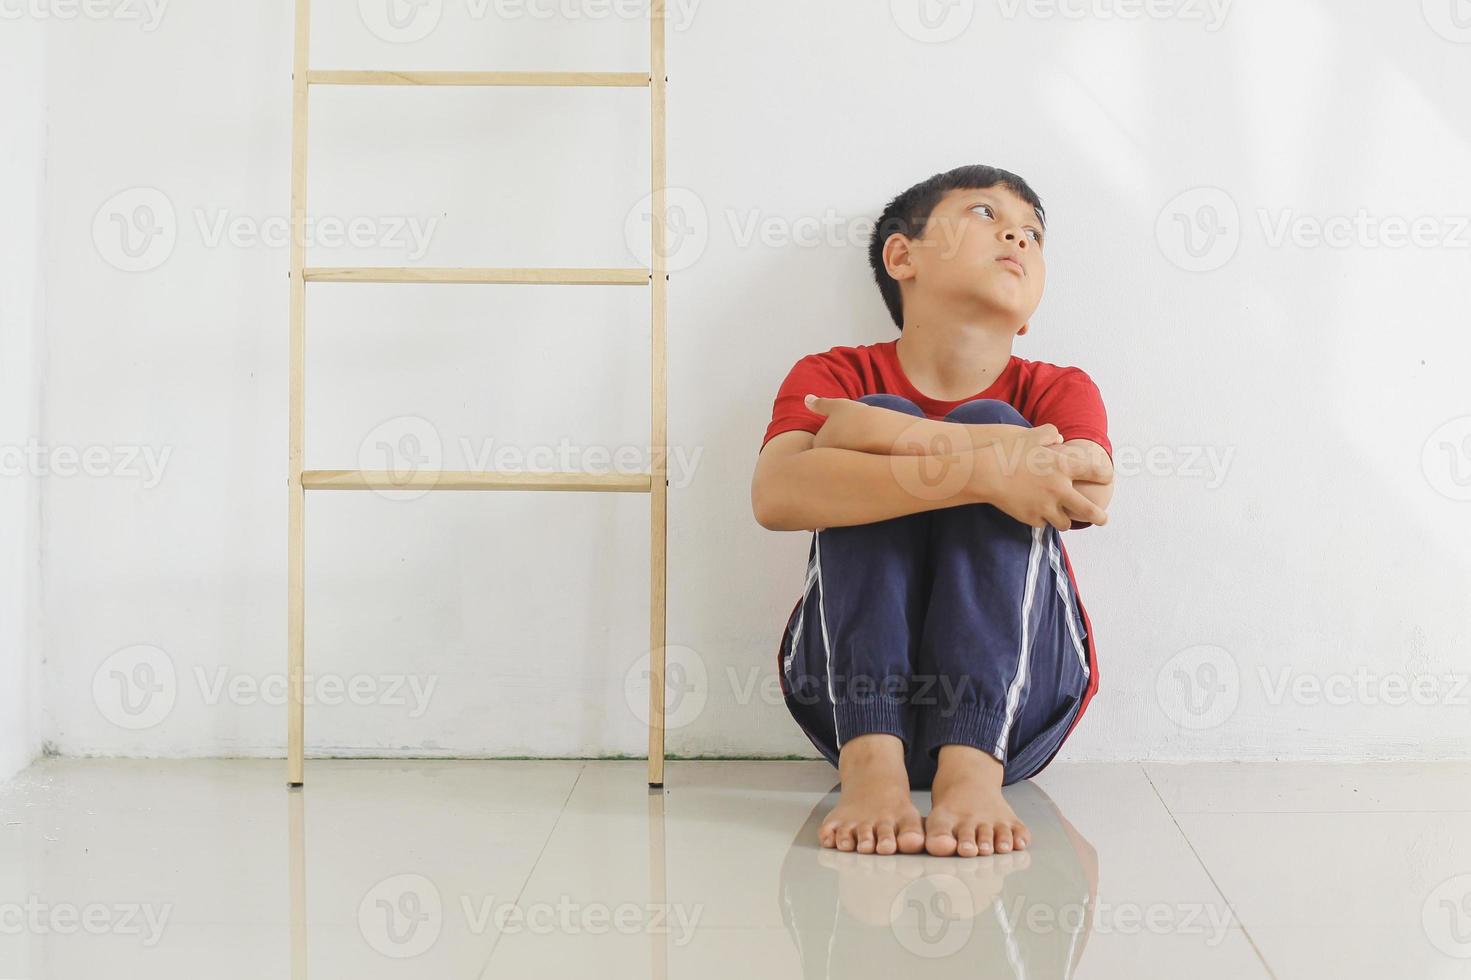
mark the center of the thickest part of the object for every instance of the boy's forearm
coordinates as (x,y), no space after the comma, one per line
(875,429)
(829,487)
(1100,491)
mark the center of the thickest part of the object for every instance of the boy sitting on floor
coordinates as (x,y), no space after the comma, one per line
(939,642)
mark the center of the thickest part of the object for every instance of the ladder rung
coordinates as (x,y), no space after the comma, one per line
(461,480)
(616,79)
(563,277)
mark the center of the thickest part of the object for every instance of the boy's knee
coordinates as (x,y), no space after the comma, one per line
(987,411)
(896,402)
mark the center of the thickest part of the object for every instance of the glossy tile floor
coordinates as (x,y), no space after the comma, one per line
(213,869)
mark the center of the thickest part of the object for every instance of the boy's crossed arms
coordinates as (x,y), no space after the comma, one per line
(869,463)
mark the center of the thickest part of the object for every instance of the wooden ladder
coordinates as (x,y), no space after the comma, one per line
(655,482)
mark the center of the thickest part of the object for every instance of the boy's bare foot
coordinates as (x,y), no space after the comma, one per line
(874,814)
(970,816)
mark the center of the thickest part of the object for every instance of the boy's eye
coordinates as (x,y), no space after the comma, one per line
(986,206)
(1036,235)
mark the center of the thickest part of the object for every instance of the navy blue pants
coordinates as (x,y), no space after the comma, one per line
(957,625)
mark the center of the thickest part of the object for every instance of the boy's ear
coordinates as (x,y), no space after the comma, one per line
(1023,329)
(897,256)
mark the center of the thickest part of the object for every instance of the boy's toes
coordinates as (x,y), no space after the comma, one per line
(1003,839)
(985,838)
(845,837)
(863,834)
(1019,836)
(827,835)
(939,835)
(910,836)
(884,842)
(965,834)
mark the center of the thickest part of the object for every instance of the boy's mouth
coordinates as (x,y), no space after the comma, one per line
(1013,263)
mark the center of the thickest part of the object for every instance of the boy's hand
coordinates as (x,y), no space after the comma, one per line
(842,414)
(1036,486)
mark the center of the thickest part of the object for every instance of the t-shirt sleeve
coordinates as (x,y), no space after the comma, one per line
(812,375)
(1073,403)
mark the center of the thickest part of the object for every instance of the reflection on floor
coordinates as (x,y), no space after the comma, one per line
(212,868)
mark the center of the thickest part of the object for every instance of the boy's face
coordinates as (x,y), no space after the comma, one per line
(982,249)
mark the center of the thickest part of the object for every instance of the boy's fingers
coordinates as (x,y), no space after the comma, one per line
(822,406)
(1086,510)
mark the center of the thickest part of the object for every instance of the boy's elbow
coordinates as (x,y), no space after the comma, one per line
(766,511)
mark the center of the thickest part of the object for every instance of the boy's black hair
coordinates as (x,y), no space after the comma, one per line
(909,213)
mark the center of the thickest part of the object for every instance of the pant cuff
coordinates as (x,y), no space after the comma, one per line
(879,713)
(966,724)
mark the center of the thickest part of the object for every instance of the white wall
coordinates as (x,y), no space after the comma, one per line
(1333,541)
(22,142)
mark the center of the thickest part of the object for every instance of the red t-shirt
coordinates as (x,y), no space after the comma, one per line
(1041,392)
